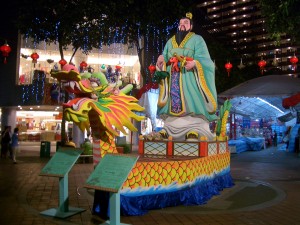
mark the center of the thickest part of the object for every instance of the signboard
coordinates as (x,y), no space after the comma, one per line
(61,163)
(111,172)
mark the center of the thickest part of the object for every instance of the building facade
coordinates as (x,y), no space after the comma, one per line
(240,25)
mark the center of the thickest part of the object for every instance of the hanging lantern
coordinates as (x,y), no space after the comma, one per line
(152,68)
(5,49)
(294,61)
(228,67)
(262,63)
(34,57)
(62,62)
(118,67)
(83,64)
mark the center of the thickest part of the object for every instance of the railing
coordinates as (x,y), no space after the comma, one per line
(182,148)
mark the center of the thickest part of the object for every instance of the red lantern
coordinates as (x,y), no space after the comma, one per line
(294,61)
(152,68)
(228,67)
(262,63)
(83,64)
(5,49)
(62,62)
(118,67)
(34,57)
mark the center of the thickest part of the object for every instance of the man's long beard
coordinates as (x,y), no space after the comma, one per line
(180,36)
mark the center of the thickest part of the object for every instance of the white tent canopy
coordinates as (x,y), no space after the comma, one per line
(262,97)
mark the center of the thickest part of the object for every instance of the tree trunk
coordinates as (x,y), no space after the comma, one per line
(141,50)
(63,121)
(61,51)
(74,52)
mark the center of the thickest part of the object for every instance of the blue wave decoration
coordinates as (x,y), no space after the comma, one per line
(158,189)
(197,194)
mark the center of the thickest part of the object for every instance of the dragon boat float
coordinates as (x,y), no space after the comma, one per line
(168,172)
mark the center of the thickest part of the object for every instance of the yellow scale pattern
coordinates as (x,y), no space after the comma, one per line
(149,174)
(107,143)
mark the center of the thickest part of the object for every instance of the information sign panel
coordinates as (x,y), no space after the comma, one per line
(61,163)
(111,172)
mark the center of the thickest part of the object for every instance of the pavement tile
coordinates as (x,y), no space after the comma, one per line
(24,194)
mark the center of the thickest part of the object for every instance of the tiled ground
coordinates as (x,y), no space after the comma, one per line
(267,191)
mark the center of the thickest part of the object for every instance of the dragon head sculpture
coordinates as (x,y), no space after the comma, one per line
(98,104)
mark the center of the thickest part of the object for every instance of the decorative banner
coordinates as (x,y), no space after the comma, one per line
(291,101)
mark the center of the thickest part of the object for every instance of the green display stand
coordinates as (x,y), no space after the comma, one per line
(59,166)
(109,175)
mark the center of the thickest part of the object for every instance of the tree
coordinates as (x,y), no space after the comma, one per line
(282,17)
(66,23)
(90,24)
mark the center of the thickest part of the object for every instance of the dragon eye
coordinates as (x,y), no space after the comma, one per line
(75,107)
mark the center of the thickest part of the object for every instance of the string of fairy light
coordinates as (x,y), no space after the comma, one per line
(116,39)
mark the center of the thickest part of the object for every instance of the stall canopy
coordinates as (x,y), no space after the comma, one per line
(262,97)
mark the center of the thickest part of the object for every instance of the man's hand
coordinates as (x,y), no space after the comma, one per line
(160,62)
(189,65)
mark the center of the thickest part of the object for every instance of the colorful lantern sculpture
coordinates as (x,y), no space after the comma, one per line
(5,49)
(294,61)
(34,57)
(228,67)
(262,63)
(62,62)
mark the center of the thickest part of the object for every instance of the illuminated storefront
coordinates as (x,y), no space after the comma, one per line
(97,60)
(44,94)
(40,125)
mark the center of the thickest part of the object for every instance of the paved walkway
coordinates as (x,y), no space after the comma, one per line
(266,191)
